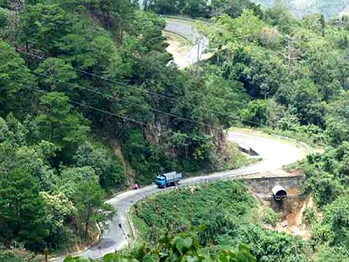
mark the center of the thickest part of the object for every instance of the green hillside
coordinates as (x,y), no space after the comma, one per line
(90,105)
(227,215)
(329,8)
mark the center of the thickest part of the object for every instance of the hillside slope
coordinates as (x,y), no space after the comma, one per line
(275,154)
(329,8)
(86,94)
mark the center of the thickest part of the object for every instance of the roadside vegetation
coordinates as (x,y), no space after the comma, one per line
(295,70)
(326,181)
(180,247)
(237,159)
(295,76)
(228,214)
(89,106)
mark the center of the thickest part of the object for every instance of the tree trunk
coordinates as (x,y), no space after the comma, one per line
(87,222)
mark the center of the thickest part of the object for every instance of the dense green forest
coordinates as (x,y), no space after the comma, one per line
(89,104)
(87,107)
(327,183)
(198,8)
(295,72)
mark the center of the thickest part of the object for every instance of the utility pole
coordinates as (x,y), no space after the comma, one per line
(46,254)
(291,54)
(198,50)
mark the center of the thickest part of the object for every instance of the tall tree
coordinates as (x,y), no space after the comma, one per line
(59,122)
(22,213)
(16,83)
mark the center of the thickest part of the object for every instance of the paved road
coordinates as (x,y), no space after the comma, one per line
(275,154)
(188,31)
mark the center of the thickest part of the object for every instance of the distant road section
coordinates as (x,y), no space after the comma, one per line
(274,152)
(187,30)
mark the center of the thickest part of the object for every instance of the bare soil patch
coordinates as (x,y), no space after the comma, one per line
(291,218)
(177,45)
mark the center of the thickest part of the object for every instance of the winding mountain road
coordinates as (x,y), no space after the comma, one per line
(274,152)
(198,42)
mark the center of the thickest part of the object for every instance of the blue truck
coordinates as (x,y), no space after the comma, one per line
(168,179)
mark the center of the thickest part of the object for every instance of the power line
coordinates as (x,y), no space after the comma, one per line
(123,84)
(111,113)
(124,100)
(107,79)
(174,100)
(129,102)
(98,109)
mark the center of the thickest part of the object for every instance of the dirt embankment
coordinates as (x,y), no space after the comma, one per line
(291,210)
(292,217)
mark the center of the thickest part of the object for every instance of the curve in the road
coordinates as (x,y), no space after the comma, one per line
(275,154)
(115,237)
(188,31)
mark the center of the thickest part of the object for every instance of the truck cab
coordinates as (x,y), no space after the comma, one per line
(160,181)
